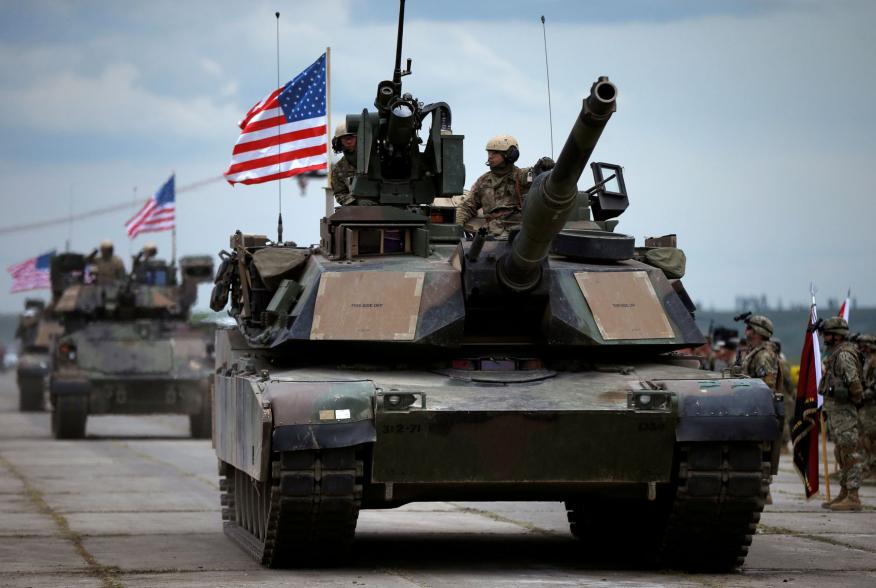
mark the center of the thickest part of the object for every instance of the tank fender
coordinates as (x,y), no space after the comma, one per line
(321,415)
(726,410)
(33,366)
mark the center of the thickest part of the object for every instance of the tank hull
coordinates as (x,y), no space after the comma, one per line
(583,438)
(132,369)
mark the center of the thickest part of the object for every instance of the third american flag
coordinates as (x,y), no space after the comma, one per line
(158,214)
(284,134)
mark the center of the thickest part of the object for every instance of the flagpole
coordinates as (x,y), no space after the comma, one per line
(824,451)
(329,194)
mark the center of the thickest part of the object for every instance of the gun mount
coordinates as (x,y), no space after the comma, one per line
(391,168)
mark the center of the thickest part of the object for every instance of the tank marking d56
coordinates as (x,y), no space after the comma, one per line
(624,305)
(367,306)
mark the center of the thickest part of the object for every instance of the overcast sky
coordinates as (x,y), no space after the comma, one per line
(747,127)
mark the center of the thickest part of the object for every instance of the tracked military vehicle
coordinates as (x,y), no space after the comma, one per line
(129,348)
(38,327)
(401,360)
(34,333)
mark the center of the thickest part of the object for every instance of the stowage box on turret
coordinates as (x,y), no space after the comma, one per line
(128,347)
(402,361)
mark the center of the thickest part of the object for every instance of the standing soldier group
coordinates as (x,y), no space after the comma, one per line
(848,385)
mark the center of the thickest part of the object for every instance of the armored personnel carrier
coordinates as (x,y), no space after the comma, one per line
(38,327)
(128,348)
(401,360)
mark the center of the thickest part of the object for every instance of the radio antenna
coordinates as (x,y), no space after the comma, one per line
(279,158)
(547,72)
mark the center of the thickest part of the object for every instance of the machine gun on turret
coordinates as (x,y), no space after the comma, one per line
(391,168)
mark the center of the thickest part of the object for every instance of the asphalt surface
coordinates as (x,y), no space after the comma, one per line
(137,504)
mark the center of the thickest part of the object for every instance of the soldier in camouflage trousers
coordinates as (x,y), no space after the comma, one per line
(500,192)
(867,411)
(842,388)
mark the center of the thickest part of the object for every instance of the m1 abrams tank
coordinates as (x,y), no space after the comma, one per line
(402,361)
(38,327)
(128,348)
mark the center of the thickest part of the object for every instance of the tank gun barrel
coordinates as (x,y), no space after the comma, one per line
(553,194)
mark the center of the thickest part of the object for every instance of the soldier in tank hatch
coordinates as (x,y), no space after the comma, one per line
(500,191)
(107,266)
(867,411)
(344,142)
(843,391)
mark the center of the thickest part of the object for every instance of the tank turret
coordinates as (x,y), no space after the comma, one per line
(553,194)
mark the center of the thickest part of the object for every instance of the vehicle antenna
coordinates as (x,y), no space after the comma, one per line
(279,161)
(547,72)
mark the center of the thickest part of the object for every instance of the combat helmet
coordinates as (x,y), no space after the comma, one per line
(835,325)
(106,244)
(760,325)
(505,144)
(868,341)
(340,131)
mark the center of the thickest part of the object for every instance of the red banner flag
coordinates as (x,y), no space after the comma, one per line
(805,428)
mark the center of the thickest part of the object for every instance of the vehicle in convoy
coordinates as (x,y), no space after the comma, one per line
(37,329)
(129,348)
(402,360)
(34,332)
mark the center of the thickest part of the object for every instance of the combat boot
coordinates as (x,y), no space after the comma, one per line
(850,503)
(839,498)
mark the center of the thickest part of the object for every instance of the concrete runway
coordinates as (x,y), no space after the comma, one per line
(137,504)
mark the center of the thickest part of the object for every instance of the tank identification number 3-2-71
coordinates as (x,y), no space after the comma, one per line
(403,428)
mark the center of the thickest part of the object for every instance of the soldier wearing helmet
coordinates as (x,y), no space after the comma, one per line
(867,411)
(107,267)
(500,191)
(344,169)
(843,390)
(143,260)
(763,360)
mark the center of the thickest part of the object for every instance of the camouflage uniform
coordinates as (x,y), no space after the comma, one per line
(763,362)
(109,269)
(867,411)
(342,171)
(500,192)
(842,375)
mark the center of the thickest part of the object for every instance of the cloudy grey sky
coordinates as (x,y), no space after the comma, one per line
(745,126)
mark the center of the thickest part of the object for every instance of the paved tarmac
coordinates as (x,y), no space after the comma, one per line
(137,504)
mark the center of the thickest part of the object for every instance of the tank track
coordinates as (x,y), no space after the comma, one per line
(30,394)
(704,522)
(305,515)
(721,492)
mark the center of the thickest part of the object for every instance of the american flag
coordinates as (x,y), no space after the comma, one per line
(284,134)
(158,214)
(32,274)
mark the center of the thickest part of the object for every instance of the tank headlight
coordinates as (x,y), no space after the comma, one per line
(649,400)
(403,400)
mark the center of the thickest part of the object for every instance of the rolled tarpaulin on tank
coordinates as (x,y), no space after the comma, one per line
(276,263)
